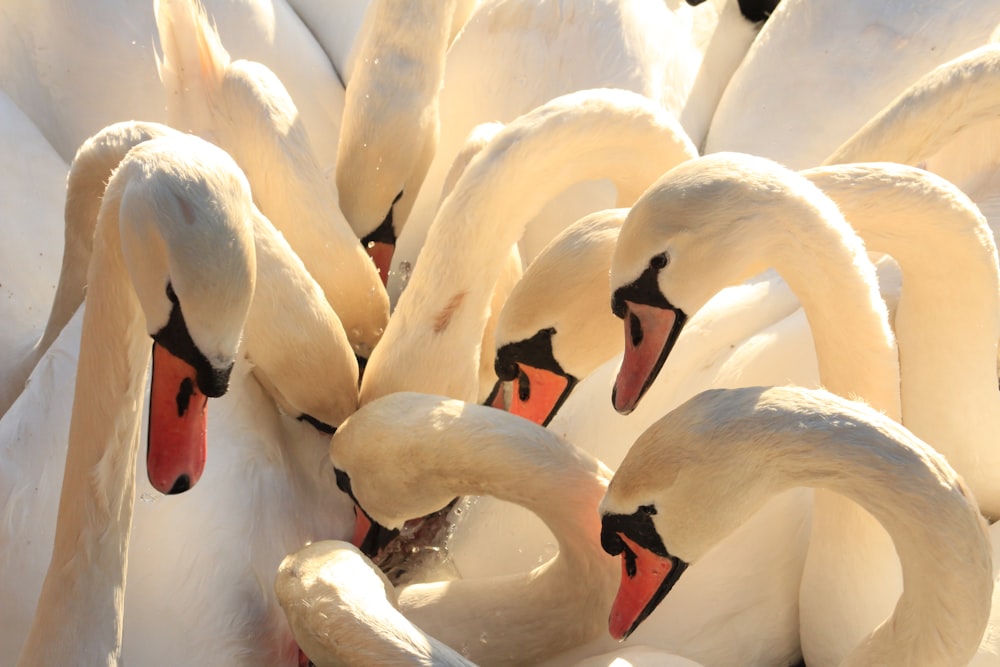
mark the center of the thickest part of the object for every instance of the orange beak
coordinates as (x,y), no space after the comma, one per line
(175,453)
(650,333)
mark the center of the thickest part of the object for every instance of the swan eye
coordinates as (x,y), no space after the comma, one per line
(659,261)
(647,509)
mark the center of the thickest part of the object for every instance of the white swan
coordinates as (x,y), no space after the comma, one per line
(169,223)
(265,475)
(59,54)
(516,619)
(390,126)
(859,51)
(537,317)
(243,107)
(431,342)
(512,56)
(275,351)
(948,317)
(702,469)
(686,224)
(343,610)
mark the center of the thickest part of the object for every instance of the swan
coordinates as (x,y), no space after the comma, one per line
(859,51)
(389,130)
(343,610)
(169,223)
(516,619)
(948,317)
(266,474)
(431,341)
(703,468)
(59,54)
(514,55)
(689,219)
(529,349)
(243,107)
(275,351)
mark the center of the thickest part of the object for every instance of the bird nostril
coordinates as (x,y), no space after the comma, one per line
(634,329)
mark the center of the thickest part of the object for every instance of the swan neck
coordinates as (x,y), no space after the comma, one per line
(79,617)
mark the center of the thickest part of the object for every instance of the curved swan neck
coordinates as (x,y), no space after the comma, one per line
(95,508)
(948,317)
(918,122)
(754,442)
(443,310)
(827,267)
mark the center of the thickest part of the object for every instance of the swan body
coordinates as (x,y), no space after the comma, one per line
(59,54)
(494,72)
(721,454)
(79,614)
(944,122)
(513,619)
(431,342)
(243,107)
(867,53)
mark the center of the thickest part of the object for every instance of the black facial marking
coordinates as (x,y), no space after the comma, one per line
(320,426)
(757,10)
(175,338)
(645,289)
(536,352)
(184,394)
(384,233)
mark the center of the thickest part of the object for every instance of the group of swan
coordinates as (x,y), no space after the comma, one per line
(486,206)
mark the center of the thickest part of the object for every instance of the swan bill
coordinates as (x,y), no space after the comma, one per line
(647,577)
(538,393)
(650,334)
(381,253)
(178,425)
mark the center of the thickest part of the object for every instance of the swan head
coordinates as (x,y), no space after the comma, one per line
(693,232)
(695,476)
(554,328)
(183,208)
(384,155)
(186,289)
(372,445)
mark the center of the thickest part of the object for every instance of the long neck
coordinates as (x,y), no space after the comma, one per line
(850,567)
(918,122)
(825,264)
(79,616)
(521,618)
(270,144)
(945,556)
(948,317)
(432,342)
